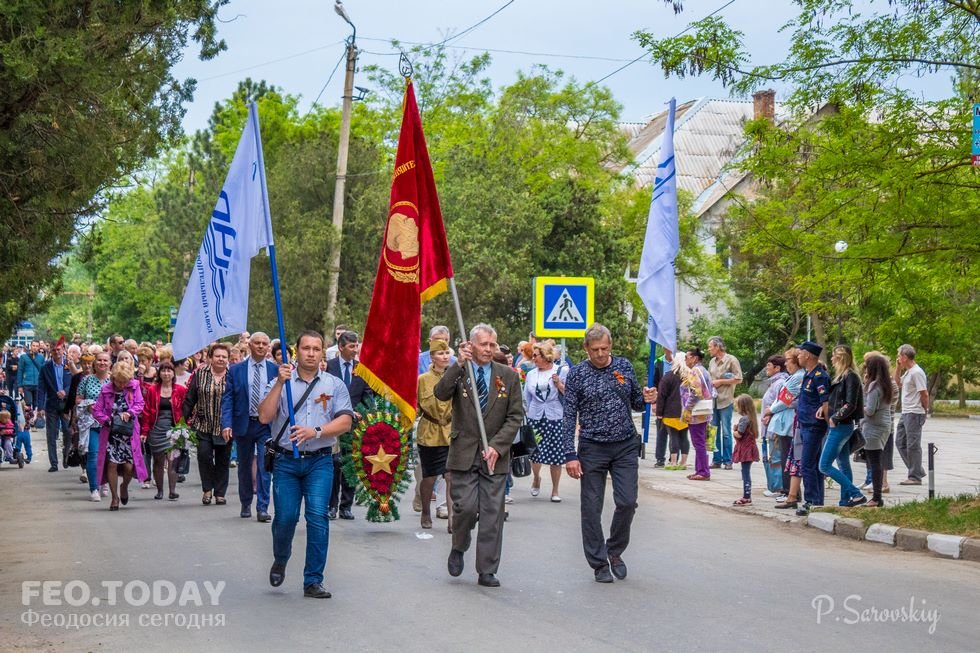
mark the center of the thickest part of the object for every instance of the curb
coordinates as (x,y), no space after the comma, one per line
(953,547)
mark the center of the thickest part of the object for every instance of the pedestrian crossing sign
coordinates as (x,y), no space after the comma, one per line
(564,307)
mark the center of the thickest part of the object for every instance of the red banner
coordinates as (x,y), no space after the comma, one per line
(413,268)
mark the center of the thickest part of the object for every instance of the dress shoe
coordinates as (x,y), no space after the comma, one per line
(316,591)
(345,513)
(618,567)
(332,514)
(262,516)
(53,468)
(455,562)
(857,501)
(277,574)
(488,580)
(603,575)
(246,512)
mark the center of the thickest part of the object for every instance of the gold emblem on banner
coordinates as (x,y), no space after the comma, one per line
(401,250)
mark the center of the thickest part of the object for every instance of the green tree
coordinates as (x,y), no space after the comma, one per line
(87,97)
(884,171)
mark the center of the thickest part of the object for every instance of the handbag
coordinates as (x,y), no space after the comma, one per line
(703,407)
(74,459)
(121,428)
(183,464)
(857,440)
(526,443)
(269,460)
(520,466)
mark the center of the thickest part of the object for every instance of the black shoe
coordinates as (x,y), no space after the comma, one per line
(246,512)
(659,463)
(455,562)
(262,516)
(181,478)
(316,591)
(787,505)
(53,468)
(20,460)
(124,499)
(803,510)
(488,580)
(603,575)
(618,567)
(158,496)
(332,514)
(345,513)
(857,501)
(277,574)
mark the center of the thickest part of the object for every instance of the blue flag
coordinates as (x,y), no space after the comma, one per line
(655,282)
(215,302)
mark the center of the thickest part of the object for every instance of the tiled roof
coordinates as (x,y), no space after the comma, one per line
(708,134)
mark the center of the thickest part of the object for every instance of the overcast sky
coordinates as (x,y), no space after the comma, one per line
(294,44)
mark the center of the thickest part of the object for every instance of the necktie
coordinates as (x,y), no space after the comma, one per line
(255,396)
(481,388)
(347,373)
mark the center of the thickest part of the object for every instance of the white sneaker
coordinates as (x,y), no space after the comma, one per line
(95,496)
(83,478)
(781,498)
(767,493)
(508,499)
(867,486)
(442,512)
(145,486)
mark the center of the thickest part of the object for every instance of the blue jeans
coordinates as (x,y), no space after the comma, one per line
(92,461)
(722,419)
(309,480)
(812,435)
(246,446)
(837,447)
(24,439)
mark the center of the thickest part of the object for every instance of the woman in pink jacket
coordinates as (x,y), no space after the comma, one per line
(117,410)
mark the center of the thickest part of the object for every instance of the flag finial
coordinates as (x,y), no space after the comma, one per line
(405,66)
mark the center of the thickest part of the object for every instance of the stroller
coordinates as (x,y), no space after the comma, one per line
(8,436)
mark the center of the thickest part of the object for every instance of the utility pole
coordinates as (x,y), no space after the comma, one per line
(342,150)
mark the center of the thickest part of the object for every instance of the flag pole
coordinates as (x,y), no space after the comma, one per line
(470,369)
(646,408)
(254,114)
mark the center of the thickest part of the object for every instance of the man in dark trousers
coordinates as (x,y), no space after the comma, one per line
(342,366)
(52,390)
(474,490)
(244,391)
(600,395)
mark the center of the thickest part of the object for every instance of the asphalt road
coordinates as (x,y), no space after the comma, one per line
(700,579)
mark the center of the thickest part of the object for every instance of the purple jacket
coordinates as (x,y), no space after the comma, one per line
(102,412)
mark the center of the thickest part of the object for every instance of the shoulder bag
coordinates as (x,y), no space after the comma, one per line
(269,460)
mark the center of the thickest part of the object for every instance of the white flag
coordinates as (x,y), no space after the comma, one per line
(655,282)
(215,302)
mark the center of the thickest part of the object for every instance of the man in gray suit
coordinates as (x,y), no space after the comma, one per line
(475,490)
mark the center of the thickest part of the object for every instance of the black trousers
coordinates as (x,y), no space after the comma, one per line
(601,459)
(660,450)
(343,493)
(212,461)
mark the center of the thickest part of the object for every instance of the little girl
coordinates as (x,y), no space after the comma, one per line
(746,451)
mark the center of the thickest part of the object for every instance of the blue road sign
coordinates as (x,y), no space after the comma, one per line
(564,307)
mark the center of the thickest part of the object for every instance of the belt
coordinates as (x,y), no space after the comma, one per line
(325,451)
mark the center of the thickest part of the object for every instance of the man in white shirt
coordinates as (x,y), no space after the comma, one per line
(915,402)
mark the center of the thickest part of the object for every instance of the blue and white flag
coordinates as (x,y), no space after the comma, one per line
(655,282)
(215,302)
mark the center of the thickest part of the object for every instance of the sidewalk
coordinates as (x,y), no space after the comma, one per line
(957,464)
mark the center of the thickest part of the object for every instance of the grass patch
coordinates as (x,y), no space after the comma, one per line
(953,410)
(952,515)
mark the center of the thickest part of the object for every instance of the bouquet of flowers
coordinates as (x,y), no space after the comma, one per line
(180,436)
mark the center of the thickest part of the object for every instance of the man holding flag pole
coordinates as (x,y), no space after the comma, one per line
(413,268)
(215,305)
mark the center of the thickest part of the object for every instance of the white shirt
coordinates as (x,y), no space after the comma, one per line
(913,382)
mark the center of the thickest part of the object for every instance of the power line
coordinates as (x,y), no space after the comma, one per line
(646,54)
(558,55)
(272,61)
(475,25)
(343,56)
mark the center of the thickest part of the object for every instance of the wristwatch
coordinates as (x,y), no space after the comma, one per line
(318,431)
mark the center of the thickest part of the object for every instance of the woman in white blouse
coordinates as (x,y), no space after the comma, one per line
(543,390)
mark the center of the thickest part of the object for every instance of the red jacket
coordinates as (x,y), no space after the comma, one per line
(151,395)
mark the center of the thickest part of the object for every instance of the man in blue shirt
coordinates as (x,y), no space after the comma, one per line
(600,395)
(811,415)
(320,420)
